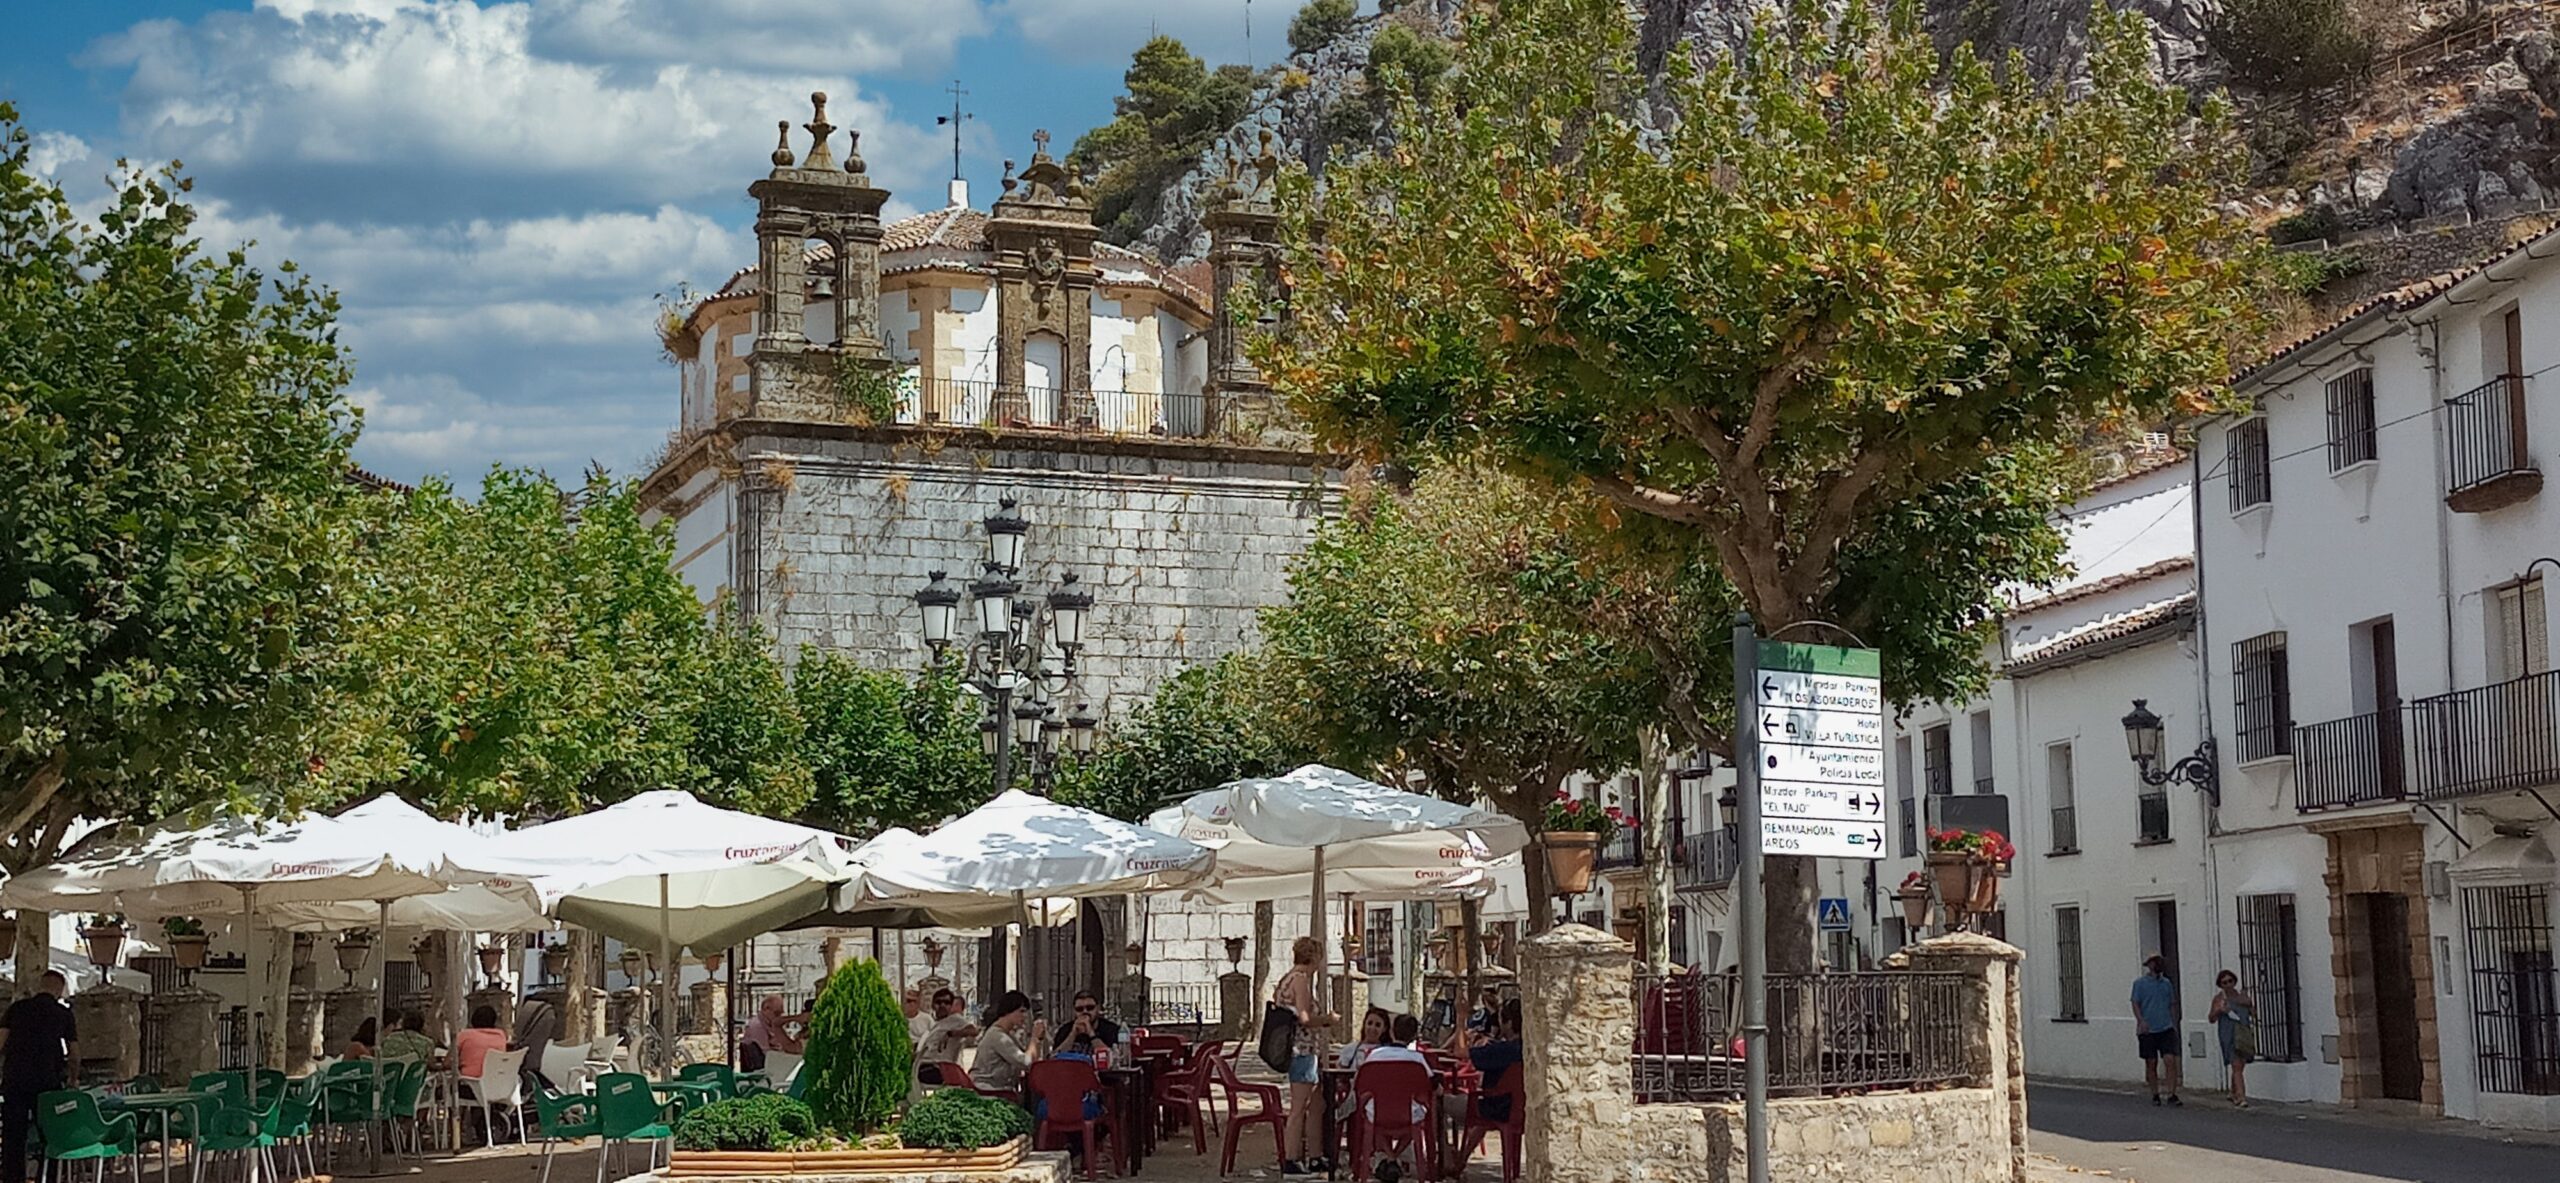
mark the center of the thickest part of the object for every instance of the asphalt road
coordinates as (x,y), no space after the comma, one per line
(2210,1142)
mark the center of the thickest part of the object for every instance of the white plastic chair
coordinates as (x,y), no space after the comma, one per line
(779,1068)
(566,1067)
(499,1085)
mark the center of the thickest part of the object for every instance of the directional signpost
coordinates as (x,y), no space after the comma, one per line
(1809,757)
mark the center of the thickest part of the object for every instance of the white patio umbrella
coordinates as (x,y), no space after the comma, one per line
(233,865)
(1418,866)
(1335,816)
(663,868)
(1025,848)
(492,903)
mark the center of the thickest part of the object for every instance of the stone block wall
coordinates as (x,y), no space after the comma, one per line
(1584,1126)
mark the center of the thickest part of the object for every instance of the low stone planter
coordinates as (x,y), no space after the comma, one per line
(937,1164)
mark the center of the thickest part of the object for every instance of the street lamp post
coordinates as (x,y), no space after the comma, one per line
(1020,652)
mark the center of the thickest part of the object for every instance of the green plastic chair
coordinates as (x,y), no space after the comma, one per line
(239,1128)
(297,1102)
(720,1074)
(627,1113)
(406,1081)
(569,1116)
(346,1104)
(75,1131)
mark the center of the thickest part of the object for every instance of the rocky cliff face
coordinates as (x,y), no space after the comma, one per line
(2456,124)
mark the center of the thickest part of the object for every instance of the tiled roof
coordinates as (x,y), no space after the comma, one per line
(2169,566)
(952,226)
(2142,465)
(2174,613)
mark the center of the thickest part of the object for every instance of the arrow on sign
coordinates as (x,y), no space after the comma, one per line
(1768,688)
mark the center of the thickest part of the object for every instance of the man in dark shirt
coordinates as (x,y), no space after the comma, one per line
(1495,1056)
(1090,1025)
(36,1042)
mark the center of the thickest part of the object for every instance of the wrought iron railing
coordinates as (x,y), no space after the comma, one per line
(2358,760)
(2484,433)
(1828,1033)
(1938,779)
(1705,860)
(1623,849)
(965,402)
(2493,739)
(1182,1004)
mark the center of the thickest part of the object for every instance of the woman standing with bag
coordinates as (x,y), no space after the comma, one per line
(2235,1018)
(1294,1009)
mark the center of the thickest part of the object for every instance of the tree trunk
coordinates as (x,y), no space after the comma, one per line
(1470,947)
(34,952)
(574,1027)
(278,1001)
(1653,838)
(1542,891)
(1789,885)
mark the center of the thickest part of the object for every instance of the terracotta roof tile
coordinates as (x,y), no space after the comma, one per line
(2176,612)
(951,226)
(2108,584)
(2400,299)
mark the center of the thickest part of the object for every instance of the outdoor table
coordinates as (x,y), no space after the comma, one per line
(165,1106)
(1153,1067)
(1125,1086)
(685,1094)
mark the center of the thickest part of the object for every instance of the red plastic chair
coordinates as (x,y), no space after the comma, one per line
(1271,1113)
(956,1077)
(1064,1085)
(1181,1094)
(1512,1129)
(1383,1100)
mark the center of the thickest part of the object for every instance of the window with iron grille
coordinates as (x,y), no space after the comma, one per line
(1938,760)
(1906,812)
(2062,795)
(2351,433)
(1380,948)
(2269,972)
(2151,814)
(2515,989)
(2246,465)
(2073,1004)
(2262,683)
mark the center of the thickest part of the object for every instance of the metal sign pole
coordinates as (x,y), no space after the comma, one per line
(1751,923)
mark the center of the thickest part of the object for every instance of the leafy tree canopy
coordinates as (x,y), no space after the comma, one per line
(887,749)
(1204,727)
(173,443)
(1319,23)
(1174,108)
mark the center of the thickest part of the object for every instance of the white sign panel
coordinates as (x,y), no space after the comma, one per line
(1791,799)
(1823,692)
(1863,767)
(1837,729)
(1822,839)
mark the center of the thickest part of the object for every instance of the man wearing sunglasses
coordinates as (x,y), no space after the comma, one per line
(1090,1026)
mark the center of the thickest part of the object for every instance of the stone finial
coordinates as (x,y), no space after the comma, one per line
(819,129)
(1266,167)
(853,152)
(782,143)
(1076,183)
(1008,181)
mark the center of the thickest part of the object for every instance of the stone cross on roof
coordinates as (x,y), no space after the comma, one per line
(1040,142)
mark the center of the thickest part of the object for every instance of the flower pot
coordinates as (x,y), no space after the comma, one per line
(711,963)
(1571,856)
(105,945)
(1951,874)
(492,959)
(189,952)
(1915,906)
(1985,896)
(555,963)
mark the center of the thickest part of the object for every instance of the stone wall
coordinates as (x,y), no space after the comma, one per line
(1180,543)
(1584,1126)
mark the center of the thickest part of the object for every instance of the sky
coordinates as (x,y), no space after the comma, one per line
(502,192)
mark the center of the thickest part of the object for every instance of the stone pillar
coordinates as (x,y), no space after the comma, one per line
(498,998)
(1235,1006)
(190,1033)
(344,1011)
(1577,987)
(1994,1048)
(110,1022)
(302,1014)
(707,1007)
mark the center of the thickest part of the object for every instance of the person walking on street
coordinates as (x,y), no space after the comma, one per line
(2235,1020)
(37,1045)
(1297,991)
(2155,1028)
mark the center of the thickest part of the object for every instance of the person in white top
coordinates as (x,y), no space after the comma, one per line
(1398,1049)
(1373,1032)
(950,1031)
(919,1020)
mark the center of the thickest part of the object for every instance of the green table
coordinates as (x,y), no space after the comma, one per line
(166,1105)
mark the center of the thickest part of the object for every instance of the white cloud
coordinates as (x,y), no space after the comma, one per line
(416,425)
(50,152)
(821,36)
(407,111)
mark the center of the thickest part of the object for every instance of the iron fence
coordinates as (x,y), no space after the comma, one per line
(231,1038)
(1828,1033)
(2357,760)
(2492,739)
(1622,849)
(969,402)
(2484,433)
(1705,860)
(2066,828)
(1183,1004)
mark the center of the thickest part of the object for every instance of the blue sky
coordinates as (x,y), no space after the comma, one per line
(501,190)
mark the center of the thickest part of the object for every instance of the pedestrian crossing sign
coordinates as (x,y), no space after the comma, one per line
(1832,915)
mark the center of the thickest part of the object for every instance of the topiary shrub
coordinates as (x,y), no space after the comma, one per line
(859,1062)
(957,1119)
(766,1121)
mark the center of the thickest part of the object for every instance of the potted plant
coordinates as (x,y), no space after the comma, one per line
(1991,857)
(104,933)
(1570,840)
(555,959)
(353,946)
(187,941)
(493,958)
(1914,897)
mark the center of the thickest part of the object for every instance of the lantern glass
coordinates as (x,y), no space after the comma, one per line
(1068,606)
(1084,729)
(1026,724)
(2142,734)
(939,603)
(1729,807)
(994,597)
(1007,530)
(990,734)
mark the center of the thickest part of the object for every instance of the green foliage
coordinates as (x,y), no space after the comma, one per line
(957,1119)
(2304,273)
(173,447)
(2289,45)
(1405,62)
(2310,225)
(1173,109)
(1836,330)
(765,1121)
(886,749)
(1319,23)
(1204,727)
(182,926)
(866,392)
(860,1062)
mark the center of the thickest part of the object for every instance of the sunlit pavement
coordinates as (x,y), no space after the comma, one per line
(2080,1133)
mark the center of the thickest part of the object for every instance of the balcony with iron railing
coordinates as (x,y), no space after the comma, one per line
(2357,760)
(1624,849)
(1703,862)
(2487,462)
(1938,780)
(1073,409)
(2498,738)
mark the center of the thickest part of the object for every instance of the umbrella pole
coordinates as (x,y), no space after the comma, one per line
(254,1047)
(381,941)
(1315,928)
(1022,941)
(666,991)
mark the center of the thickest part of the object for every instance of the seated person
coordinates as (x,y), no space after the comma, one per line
(1398,1049)
(1090,1026)
(360,1045)
(1080,1052)
(410,1041)
(1495,1055)
(1373,1035)
(951,1033)
(1011,1042)
(472,1047)
(769,1031)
